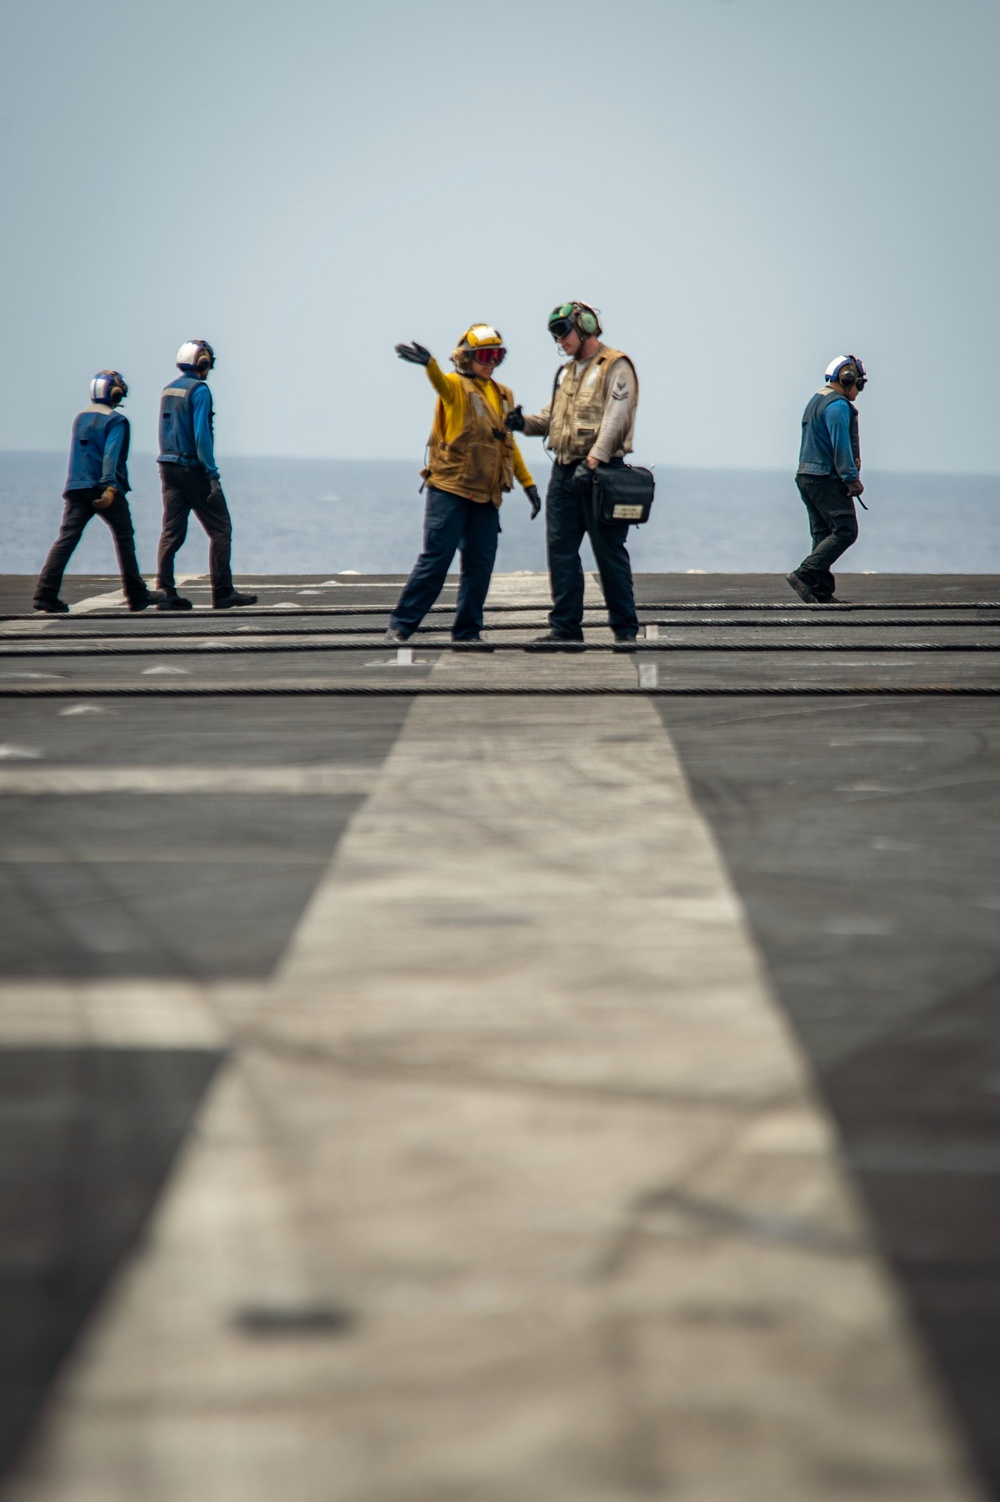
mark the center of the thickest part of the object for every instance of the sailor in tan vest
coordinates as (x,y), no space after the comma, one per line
(472,461)
(588,422)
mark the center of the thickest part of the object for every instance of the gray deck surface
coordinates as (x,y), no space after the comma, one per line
(185,843)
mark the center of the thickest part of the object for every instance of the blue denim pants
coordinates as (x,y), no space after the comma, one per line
(571,514)
(451,524)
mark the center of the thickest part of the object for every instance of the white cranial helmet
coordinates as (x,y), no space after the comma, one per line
(835,369)
(196,354)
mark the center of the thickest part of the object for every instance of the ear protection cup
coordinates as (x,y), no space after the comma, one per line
(850,366)
(109,387)
(196,354)
(860,375)
(576,315)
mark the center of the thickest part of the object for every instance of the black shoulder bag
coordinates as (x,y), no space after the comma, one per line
(624,493)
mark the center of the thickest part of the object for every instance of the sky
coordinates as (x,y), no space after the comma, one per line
(745,188)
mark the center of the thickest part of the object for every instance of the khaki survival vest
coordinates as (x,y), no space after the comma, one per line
(578,406)
(480,463)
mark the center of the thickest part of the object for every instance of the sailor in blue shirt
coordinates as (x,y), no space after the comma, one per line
(97,482)
(189,478)
(829,477)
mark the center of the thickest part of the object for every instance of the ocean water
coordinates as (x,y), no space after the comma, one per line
(324,515)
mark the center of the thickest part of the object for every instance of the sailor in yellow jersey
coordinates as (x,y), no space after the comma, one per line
(472,461)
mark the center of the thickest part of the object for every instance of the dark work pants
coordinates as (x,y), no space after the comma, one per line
(571,514)
(451,524)
(185,489)
(77,512)
(833,524)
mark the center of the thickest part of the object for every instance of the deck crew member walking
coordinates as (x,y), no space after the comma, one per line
(589,421)
(189,478)
(472,461)
(97,483)
(829,477)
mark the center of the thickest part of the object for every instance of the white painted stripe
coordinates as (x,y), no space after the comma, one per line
(322,778)
(109,1014)
(192,853)
(113,597)
(521,1098)
(259,586)
(105,601)
(19,628)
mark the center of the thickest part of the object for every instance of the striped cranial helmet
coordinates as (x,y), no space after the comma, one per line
(846,365)
(109,388)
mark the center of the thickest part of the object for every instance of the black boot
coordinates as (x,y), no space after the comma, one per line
(232,599)
(801,588)
(155,597)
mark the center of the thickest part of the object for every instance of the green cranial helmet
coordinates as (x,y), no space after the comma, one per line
(574,315)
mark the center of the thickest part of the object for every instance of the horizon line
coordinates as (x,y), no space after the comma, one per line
(717,469)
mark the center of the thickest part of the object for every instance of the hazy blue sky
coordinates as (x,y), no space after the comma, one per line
(744,187)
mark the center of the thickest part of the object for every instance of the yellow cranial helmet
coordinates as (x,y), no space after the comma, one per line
(480,342)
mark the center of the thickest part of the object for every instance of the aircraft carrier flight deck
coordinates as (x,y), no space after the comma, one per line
(523,1076)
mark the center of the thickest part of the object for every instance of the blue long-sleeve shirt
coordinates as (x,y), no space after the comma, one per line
(204,443)
(98,452)
(828,444)
(186,425)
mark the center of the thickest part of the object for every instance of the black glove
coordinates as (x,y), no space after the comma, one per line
(534,499)
(215,491)
(583,478)
(515,421)
(415,353)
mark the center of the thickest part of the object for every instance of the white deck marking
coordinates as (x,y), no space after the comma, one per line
(518,1099)
(112,597)
(107,1013)
(105,601)
(21,627)
(320,778)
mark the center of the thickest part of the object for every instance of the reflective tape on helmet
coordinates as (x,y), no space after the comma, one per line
(108,386)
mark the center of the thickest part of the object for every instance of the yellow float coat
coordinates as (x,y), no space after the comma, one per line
(481,471)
